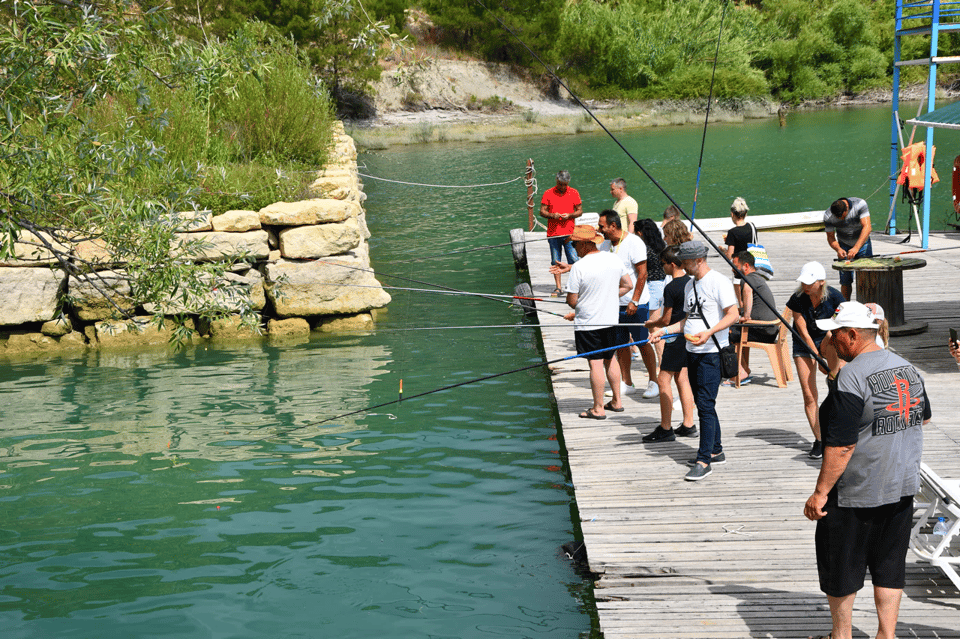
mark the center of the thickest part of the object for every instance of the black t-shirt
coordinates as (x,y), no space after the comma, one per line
(673,298)
(739,236)
(800,303)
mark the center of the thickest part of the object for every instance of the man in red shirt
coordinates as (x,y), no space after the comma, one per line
(561,205)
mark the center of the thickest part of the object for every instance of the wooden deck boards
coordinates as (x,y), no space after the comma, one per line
(732,555)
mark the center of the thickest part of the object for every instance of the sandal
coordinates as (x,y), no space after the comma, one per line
(589,414)
(556,292)
(609,406)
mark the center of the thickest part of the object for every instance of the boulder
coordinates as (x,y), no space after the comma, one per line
(230,328)
(308,242)
(92,252)
(87,295)
(29,294)
(72,341)
(56,328)
(191,221)
(30,249)
(347,324)
(216,245)
(30,343)
(336,286)
(307,212)
(293,327)
(237,222)
(134,332)
(232,292)
(336,187)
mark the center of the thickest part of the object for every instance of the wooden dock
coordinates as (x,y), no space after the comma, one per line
(733,555)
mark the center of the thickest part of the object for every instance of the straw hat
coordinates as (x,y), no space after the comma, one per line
(585,233)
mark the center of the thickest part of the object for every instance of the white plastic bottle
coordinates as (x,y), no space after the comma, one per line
(941,527)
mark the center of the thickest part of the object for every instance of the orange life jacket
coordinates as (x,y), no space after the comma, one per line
(913,162)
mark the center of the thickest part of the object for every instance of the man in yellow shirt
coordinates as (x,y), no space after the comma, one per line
(625,206)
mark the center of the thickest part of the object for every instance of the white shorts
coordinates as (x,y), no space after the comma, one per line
(656,294)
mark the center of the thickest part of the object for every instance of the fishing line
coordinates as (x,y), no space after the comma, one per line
(948,248)
(363,331)
(408,279)
(706,120)
(443,388)
(653,180)
(470,250)
(442,186)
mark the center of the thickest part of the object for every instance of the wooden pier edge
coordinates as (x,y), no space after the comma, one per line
(732,555)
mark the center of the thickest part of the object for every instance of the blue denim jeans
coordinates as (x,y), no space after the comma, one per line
(846,277)
(561,244)
(704,372)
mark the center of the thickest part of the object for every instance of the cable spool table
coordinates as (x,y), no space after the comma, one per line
(880,280)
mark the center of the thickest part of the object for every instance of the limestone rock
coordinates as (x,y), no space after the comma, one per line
(274,256)
(191,221)
(336,187)
(134,332)
(90,305)
(29,294)
(347,324)
(30,249)
(307,242)
(57,328)
(92,252)
(237,222)
(272,240)
(335,286)
(295,326)
(233,292)
(216,245)
(306,212)
(30,343)
(230,328)
(72,341)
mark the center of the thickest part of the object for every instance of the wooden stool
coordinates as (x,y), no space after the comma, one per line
(777,351)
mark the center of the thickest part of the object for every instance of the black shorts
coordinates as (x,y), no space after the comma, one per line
(599,338)
(850,540)
(674,356)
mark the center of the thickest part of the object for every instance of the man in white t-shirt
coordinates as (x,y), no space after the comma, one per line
(633,306)
(711,307)
(625,206)
(596,282)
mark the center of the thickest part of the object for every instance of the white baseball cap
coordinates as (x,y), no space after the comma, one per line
(849,315)
(812,272)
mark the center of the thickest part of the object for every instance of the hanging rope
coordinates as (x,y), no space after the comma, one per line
(441,186)
(531,183)
(703,141)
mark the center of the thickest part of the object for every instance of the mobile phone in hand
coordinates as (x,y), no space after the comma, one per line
(953,337)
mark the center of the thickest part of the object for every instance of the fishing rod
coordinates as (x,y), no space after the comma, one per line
(443,388)
(706,120)
(442,292)
(693,224)
(450,328)
(470,250)
(947,248)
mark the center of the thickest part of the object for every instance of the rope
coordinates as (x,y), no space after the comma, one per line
(703,141)
(531,183)
(441,186)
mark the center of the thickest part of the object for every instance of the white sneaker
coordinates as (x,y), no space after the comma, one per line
(677,405)
(624,390)
(653,390)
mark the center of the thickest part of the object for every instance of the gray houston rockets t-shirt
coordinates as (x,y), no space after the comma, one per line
(879,405)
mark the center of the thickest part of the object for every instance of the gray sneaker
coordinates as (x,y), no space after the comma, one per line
(715,460)
(698,472)
(685,431)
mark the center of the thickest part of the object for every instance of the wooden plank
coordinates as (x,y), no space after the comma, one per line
(733,556)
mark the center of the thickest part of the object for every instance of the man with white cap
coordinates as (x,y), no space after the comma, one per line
(711,307)
(863,500)
(596,282)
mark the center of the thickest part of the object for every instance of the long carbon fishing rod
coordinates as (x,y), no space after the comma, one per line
(469,250)
(706,120)
(946,248)
(652,179)
(484,378)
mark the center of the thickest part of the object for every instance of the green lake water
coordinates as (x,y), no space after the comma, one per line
(192,494)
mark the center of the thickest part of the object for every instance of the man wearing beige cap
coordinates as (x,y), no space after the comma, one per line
(871,423)
(596,282)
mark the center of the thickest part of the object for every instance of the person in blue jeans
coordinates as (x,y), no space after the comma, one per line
(711,308)
(847,223)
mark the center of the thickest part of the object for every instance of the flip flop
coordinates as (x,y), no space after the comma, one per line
(587,414)
(609,406)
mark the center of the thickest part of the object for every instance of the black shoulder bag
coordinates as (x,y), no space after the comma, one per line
(729,366)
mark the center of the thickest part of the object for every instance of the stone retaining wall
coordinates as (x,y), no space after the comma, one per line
(306,267)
